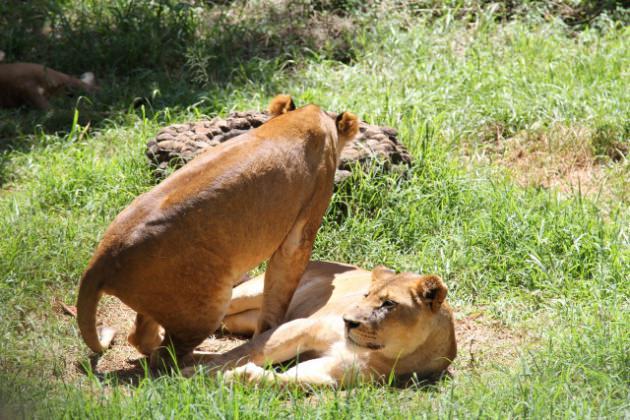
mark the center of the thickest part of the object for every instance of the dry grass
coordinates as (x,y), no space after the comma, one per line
(559,157)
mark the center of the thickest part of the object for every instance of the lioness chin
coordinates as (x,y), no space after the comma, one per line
(175,253)
(343,324)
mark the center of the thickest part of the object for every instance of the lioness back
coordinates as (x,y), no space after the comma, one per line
(197,202)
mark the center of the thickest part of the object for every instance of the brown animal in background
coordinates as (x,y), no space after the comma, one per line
(29,84)
(175,253)
(344,324)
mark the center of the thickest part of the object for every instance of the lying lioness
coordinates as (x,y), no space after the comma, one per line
(29,84)
(348,323)
(175,253)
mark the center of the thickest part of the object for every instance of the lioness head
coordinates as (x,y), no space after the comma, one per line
(397,314)
(347,123)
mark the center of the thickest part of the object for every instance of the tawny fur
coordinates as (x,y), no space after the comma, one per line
(345,323)
(29,84)
(175,253)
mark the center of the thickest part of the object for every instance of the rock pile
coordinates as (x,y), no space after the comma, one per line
(179,143)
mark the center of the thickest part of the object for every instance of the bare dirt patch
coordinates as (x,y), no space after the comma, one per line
(122,359)
(482,342)
(559,157)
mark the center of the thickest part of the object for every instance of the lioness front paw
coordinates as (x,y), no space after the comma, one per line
(248,373)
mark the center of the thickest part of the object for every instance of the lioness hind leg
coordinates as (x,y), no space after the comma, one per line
(178,347)
(146,335)
(247,295)
(243,323)
(199,314)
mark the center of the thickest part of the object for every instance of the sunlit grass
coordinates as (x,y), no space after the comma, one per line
(553,265)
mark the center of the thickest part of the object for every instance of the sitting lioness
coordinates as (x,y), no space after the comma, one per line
(29,84)
(175,253)
(348,324)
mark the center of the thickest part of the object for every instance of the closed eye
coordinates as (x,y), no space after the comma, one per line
(388,303)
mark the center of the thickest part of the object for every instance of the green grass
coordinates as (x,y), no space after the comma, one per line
(552,265)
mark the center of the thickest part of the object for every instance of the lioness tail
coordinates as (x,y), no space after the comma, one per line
(89,295)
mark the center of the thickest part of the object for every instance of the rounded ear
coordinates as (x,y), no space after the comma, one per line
(382,273)
(347,125)
(281,104)
(432,291)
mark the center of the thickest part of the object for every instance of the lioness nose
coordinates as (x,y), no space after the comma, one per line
(350,323)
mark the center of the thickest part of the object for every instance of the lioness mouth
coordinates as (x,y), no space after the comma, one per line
(370,346)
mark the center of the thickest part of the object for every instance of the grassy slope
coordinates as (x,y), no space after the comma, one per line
(557,267)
